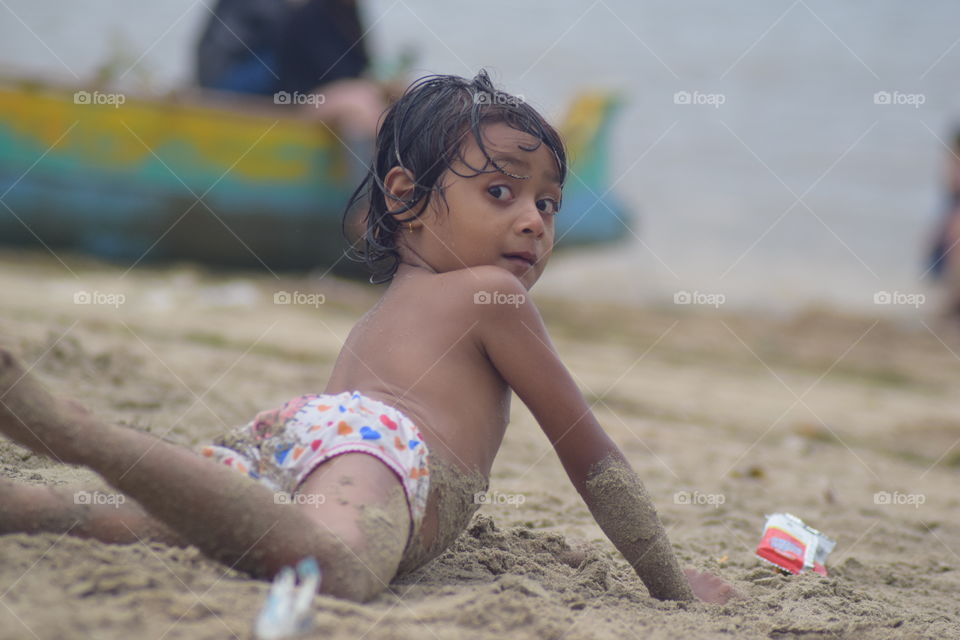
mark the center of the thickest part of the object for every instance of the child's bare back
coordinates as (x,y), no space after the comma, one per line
(442,378)
(419,349)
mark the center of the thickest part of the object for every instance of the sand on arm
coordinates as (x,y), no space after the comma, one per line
(622,507)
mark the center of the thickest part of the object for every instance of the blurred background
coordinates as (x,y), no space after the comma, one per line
(753,153)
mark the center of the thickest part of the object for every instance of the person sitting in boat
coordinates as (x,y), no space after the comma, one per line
(303,53)
(238,48)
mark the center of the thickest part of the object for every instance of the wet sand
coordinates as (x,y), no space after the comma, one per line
(848,422)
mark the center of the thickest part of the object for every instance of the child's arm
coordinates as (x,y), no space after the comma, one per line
(516,341)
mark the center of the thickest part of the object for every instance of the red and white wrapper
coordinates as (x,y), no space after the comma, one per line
(793,546)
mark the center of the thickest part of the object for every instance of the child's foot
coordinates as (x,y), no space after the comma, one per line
(33,418)
(24,508)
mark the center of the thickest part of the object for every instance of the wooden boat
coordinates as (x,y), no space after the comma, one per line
(218,179)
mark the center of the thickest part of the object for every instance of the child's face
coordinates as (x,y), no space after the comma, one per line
(492,216)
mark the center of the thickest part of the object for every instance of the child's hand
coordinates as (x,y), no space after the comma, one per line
(708,587)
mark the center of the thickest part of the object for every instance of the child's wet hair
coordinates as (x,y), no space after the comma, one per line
(424,133)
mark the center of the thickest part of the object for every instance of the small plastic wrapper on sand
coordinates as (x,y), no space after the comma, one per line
(793,546)
(287,612)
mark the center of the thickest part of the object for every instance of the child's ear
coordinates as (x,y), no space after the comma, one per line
(398,185)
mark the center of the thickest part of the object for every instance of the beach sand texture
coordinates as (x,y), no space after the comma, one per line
(726,416)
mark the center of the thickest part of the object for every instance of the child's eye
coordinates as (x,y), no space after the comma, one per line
(500,192)
(548,206)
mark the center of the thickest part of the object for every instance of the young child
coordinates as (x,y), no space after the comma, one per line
(377,475)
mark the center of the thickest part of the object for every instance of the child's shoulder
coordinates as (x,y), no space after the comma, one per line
(482,295)
(470,285)
(486,278)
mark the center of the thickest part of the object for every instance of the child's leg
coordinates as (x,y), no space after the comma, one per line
(225,514)
(31,509)
(357,499)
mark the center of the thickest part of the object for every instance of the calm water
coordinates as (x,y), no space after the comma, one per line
(716,186)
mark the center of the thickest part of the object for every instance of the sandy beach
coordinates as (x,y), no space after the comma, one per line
(849,422)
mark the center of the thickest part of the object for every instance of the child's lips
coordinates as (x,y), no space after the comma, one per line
(521,259)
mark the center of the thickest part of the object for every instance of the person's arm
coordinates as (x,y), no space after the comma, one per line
(517,343)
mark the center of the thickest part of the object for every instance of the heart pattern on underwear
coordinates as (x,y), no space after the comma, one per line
(369,434)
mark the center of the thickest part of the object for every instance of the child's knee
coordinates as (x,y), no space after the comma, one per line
(362,565)
(361,509)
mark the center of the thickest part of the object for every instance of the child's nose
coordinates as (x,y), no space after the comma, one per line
(530,220)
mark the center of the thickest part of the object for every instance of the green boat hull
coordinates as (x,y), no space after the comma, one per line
(223,182)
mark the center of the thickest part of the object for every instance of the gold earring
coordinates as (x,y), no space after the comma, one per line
(410,227)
